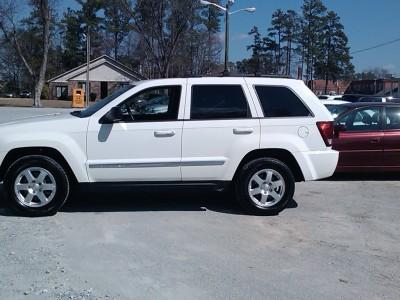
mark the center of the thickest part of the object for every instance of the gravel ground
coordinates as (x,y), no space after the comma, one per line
(339,239)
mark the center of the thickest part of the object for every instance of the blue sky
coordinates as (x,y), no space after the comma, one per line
(367,23)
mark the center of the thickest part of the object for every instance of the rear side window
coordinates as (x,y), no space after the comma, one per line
(336,110)
(278,102)
(392,117)
(218,102)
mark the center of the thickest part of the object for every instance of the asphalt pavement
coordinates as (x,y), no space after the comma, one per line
(339,239)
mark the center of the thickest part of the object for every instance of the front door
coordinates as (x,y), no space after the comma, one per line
(146,145)
(103,89)
(391,141)
(360,140)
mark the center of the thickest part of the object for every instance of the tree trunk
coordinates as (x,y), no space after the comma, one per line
(278,67)
(289,57)
(116,46)
(45,11)
(327,66)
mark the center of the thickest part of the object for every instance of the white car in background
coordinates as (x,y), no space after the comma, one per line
(335,107)
(379,99)
(330,97)
(257,136)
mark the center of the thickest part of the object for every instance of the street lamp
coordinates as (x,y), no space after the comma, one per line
(227,11)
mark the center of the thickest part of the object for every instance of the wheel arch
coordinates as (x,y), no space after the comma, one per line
(283,155)
(17,153)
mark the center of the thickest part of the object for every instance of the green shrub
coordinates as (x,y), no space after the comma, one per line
(45,92)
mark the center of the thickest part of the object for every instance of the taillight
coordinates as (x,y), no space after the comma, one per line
(326,130)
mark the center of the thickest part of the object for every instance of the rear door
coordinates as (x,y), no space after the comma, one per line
(391,140)
(219,128)
(360,140)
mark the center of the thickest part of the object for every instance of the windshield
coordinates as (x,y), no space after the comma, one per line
(101,103)
(336,110)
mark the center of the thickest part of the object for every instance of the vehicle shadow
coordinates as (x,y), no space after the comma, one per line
(364,177)
(128,201)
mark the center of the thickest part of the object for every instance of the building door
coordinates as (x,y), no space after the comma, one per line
(103,89)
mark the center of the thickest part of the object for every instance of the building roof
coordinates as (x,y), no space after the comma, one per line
(103,68)
(319,85)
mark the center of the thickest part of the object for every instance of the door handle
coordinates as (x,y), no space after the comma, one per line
(164,133)
(375,141)
(243,130)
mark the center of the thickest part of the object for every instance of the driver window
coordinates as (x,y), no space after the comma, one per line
(154,104)
(366,119)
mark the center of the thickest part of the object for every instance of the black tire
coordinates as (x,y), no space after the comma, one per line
(37,161)
(243,180)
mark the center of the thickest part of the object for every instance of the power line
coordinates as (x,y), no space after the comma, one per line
(376,46)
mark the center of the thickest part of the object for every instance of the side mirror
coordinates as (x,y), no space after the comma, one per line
(115,115)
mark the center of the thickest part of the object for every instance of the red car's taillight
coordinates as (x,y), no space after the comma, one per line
(326,130)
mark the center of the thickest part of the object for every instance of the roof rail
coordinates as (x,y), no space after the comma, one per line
(242,75)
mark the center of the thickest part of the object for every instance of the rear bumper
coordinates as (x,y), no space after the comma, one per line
(317,164)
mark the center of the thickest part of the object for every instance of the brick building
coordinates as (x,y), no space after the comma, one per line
(378,87)
(105,73)
(334,87)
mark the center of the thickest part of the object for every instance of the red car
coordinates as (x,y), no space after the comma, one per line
(368,137)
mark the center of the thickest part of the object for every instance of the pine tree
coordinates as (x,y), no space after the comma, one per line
(313,13)
(92,22)
(276,32)
(116,23)
(334,61)
(290,33)
(74,46)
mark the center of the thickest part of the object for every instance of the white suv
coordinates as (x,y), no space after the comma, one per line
(256,135)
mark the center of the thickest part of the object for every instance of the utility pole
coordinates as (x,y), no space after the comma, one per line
(226,61)
(87,87)
(227,11)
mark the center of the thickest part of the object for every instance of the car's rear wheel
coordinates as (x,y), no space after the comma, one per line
(36,186)
(264,186)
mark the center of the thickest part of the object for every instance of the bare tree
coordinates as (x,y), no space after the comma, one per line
(11,32)
(160,25)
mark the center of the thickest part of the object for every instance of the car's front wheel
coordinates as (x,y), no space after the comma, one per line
(36,186)
(264,186)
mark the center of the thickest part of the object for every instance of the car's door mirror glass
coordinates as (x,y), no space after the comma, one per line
(113,116)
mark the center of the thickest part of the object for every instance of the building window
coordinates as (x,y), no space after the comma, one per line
(61,92)
(82,85)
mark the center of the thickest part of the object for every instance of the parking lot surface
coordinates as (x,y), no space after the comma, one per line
(339,239)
